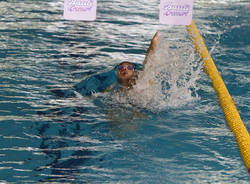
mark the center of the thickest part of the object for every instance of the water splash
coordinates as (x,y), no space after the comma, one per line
(169,78)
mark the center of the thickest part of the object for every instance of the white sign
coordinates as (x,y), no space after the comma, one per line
(176,12)
(80,9)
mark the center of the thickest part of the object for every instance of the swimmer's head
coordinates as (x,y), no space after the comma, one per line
(125,73)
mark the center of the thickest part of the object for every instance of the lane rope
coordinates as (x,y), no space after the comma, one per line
(231,113)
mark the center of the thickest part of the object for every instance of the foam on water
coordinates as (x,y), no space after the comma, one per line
(169,79)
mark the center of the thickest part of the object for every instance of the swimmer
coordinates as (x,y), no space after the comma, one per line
(126,74)
(126,77)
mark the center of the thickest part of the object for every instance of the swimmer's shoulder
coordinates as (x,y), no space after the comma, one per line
(112,87)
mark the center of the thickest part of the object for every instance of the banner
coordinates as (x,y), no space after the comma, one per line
(176,12)
(80,10)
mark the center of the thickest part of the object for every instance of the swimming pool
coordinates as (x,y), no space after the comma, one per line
(52,131)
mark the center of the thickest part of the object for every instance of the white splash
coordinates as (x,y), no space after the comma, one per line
(169,78)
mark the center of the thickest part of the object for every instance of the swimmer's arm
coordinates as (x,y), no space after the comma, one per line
(151,48)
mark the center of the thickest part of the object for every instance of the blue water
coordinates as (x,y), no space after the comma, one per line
(54,128)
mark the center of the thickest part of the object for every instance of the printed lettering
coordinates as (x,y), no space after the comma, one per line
(80,5)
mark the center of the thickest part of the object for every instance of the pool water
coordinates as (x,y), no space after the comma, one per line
(59,126)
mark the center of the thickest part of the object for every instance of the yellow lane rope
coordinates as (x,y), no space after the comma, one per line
(227,104)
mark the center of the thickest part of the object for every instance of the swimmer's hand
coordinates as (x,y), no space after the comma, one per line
(151,48)
(154,41)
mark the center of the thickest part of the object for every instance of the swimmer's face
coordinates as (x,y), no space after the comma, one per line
(125,71)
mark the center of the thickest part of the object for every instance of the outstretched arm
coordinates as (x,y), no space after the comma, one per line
(151,48)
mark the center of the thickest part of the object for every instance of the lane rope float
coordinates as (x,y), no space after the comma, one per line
(231,113)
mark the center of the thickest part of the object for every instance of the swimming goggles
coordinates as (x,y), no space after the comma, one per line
(129,67)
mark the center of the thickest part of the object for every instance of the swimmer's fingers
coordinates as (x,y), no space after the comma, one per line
(155,40)
(156,36)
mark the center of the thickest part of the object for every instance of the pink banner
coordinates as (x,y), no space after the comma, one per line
(176,12)
(80,10)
